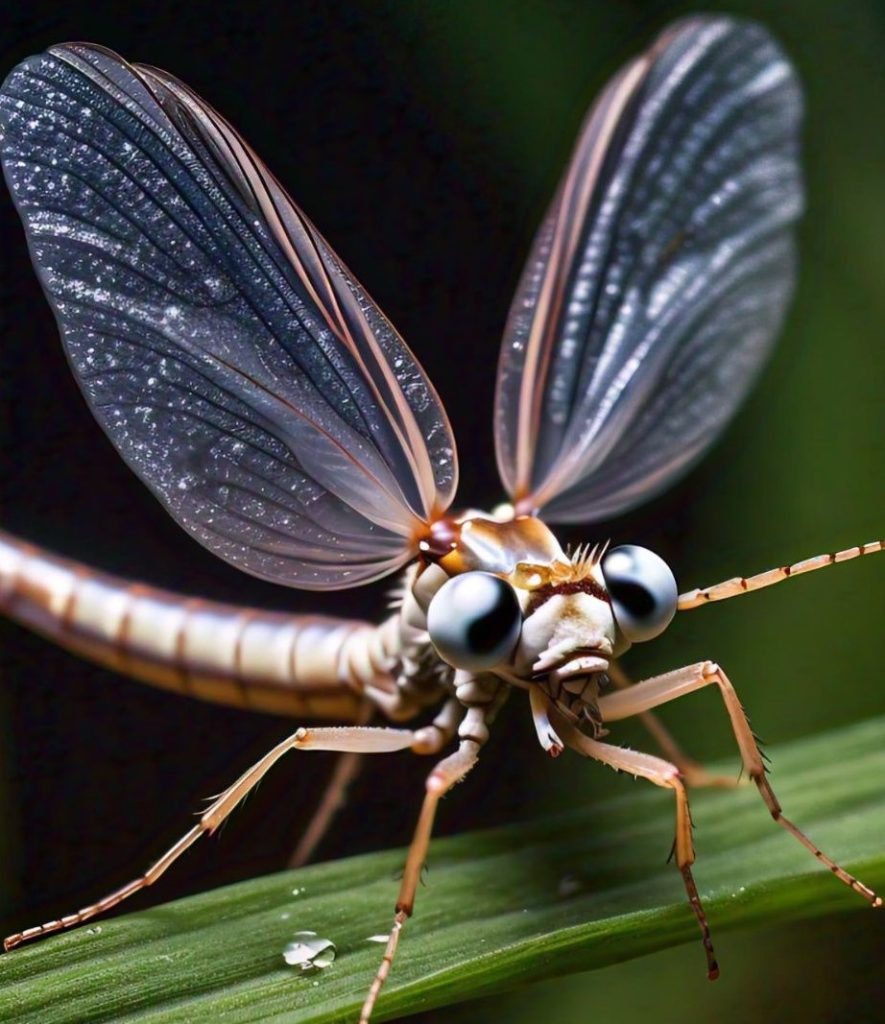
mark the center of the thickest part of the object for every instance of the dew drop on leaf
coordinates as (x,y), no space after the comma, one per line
(309,952)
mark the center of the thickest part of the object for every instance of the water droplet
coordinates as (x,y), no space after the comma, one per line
(309,952)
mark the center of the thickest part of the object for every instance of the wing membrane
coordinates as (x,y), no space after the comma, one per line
(231,358)
(660,277)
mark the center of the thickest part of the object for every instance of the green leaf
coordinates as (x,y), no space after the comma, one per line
(501,908)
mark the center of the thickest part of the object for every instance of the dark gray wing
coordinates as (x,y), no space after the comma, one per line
(231,358)
(659,280)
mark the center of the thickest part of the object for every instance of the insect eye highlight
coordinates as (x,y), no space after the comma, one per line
(474,621)
(642,589)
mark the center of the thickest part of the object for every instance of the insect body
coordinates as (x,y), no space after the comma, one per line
(252,384)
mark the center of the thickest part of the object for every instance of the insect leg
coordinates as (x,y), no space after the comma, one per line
(546,733)
(693,773)
(662,689)
(661,773)
(353,739)
(347,767)
(450,770)
(429,740)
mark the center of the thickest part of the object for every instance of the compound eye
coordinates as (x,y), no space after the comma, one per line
(642,589)
(474,621)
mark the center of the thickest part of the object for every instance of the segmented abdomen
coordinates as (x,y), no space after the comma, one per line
(300,665)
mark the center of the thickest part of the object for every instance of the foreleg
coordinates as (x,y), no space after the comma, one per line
(661,773)
(473,733)
(693,773)
(662,689)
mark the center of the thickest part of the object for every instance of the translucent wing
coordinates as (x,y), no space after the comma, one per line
(231,358)
(659,279)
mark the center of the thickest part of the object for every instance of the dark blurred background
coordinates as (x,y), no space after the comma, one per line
(424,139)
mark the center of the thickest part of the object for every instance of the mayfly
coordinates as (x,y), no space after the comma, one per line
(252,384)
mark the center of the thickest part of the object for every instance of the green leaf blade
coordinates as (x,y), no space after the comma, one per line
(502,908)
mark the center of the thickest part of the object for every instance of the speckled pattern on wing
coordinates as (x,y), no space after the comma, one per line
(658,281)
(238,368)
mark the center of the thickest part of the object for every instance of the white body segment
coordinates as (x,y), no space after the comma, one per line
(308,665)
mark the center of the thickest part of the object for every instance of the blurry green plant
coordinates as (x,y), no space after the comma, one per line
(503,907)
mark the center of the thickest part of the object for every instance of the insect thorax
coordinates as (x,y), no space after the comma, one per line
(567,631)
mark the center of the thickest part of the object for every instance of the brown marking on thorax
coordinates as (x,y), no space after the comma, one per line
(586,585)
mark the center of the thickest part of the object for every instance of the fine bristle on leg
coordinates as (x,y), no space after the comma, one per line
(660,690)
(664,774)
(343,738)
(692,773)
(446,774)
